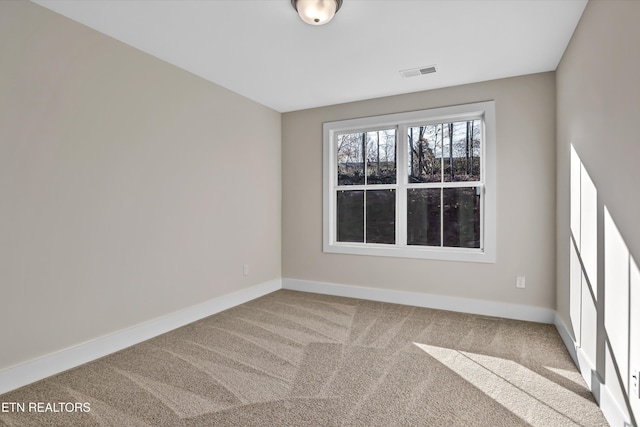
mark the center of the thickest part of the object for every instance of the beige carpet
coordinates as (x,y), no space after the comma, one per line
(299,359)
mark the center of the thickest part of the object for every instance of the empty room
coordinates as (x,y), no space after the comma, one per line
(319,213)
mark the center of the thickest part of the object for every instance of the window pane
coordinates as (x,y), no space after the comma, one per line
(350,216)
(425,153)
(462,151)
(350,159)
(423,216)
(461,217)
(381,216)
(381,157)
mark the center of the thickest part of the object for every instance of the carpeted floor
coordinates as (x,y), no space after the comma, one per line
(299,359)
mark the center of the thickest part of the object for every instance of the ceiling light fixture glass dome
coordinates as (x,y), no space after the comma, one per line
(316,12)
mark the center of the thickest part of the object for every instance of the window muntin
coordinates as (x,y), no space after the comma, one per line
(378,147)
(445,152)
(440,205)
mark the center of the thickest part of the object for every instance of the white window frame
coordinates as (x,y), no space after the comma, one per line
(485,111)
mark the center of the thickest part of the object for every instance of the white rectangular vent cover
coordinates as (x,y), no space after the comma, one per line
(420,71)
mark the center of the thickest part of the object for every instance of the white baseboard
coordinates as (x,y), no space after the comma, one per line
(610,408)
(34,370)
(566,336)
(614,415)
(440,302)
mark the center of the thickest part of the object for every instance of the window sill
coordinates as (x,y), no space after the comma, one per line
(439,254)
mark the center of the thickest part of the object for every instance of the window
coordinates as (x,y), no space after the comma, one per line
(415,185)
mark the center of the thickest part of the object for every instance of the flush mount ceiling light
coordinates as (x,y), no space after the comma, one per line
(316,12)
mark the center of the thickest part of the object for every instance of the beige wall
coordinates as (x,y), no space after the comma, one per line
(129,189)
(525,111)
(598,91)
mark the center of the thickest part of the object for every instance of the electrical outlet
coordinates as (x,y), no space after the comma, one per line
(634,387)
(520,282)
(245,269)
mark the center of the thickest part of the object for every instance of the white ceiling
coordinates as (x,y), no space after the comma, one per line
(262,50)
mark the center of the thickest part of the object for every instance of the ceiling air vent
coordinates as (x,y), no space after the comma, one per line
(420,71)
